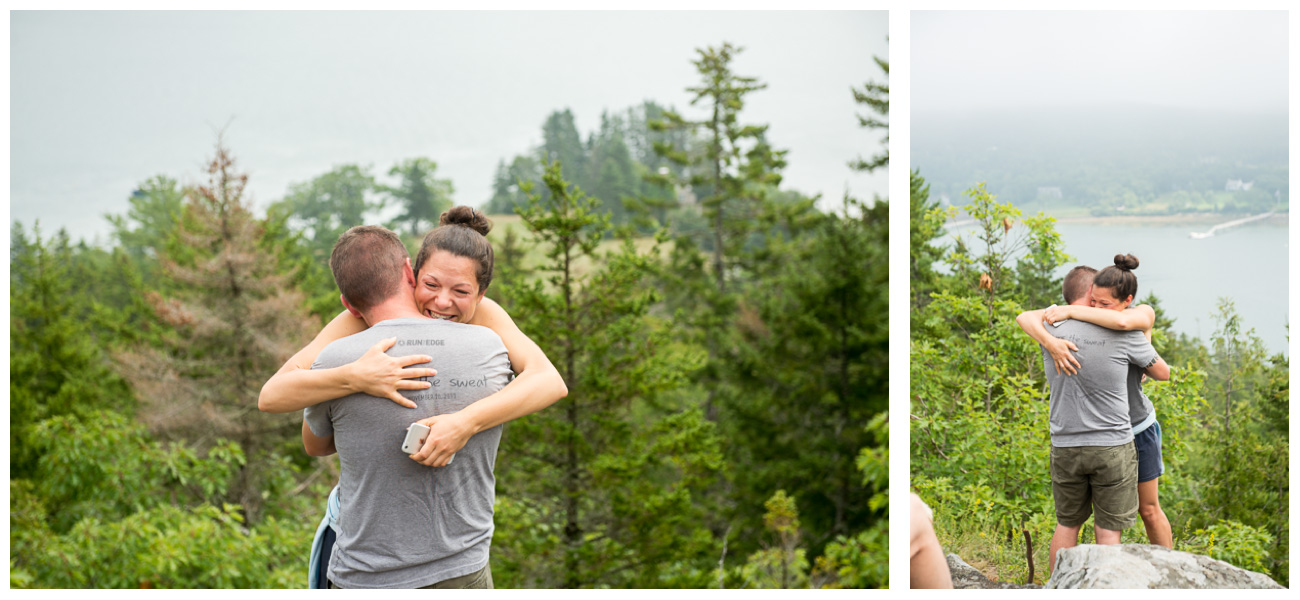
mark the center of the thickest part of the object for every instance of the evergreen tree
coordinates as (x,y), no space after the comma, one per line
(58,365)
(504,187)
(606,477)
(812,364)
(422,196)
(737,167)
(784,564)
(926,226)
(508,194)
(862,560)
(875,96)
(611,170)
(562,143)
(512,266)
(151,221)
(235,320)
(644,139)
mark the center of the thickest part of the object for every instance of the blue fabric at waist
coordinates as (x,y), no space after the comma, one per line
(1140,427)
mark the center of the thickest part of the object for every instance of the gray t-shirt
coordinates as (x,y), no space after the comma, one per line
(1139,406)
(405,525)
(1091,408)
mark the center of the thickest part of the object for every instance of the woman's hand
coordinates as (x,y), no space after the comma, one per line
(381,375)
(1060,351)
(1056,314)
(447,435)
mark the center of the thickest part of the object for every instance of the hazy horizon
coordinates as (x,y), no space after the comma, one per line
(101,101)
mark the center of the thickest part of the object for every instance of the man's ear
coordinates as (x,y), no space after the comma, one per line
(356,313)
(409,273)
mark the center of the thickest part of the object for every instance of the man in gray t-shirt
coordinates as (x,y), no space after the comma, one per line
(404,524)
(1091,408)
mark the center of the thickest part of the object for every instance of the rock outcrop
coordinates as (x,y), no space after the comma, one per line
(966,577)
(1142,566)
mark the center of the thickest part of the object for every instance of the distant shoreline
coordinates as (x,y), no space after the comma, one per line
(1208,219)
(1180,219)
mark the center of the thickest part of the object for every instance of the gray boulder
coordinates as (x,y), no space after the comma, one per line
(1143,566)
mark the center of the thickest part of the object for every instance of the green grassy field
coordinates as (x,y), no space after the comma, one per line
(501,223)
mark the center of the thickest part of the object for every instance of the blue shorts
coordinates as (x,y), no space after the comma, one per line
(1151,462)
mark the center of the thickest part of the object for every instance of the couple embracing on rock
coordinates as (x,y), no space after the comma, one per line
(1106,455)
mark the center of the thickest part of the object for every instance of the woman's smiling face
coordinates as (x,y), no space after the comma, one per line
(447,287)
(1105,298)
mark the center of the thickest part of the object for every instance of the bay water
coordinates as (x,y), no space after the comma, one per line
(1246,264)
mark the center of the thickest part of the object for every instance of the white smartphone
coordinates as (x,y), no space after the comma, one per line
(415,435)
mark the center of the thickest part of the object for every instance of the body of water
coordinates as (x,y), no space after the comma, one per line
(1247,264)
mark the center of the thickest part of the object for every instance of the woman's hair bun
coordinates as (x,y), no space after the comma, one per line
(1128,262)
(467,217)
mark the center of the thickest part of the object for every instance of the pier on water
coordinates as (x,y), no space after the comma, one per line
(1222,226)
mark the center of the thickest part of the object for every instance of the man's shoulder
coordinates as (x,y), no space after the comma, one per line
(347,349)
(429,333)
(468,329)
(467,335)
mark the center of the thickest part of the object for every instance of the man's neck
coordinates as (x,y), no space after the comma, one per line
(397,307)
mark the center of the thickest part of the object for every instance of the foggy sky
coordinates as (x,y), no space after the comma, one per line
(1202,59)
(102,101)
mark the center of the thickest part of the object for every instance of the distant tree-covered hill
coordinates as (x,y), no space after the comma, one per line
(1116,160)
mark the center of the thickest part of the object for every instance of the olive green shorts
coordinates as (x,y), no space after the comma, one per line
(1100,477)
(478,580)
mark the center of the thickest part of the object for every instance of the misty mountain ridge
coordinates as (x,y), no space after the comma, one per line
(1110,159)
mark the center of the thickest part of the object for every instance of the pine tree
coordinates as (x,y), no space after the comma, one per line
(875,96)
(812,367)
(610,470)
(58,364)
(151,220)
(737,167)
(507,194)
(235,320)
(926,226)
(562,143)
(611,171)
(422,196)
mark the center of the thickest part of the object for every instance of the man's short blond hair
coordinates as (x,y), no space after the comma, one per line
(1077,282)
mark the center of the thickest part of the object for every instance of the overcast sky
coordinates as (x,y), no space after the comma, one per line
(1200,59)
(100,101)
